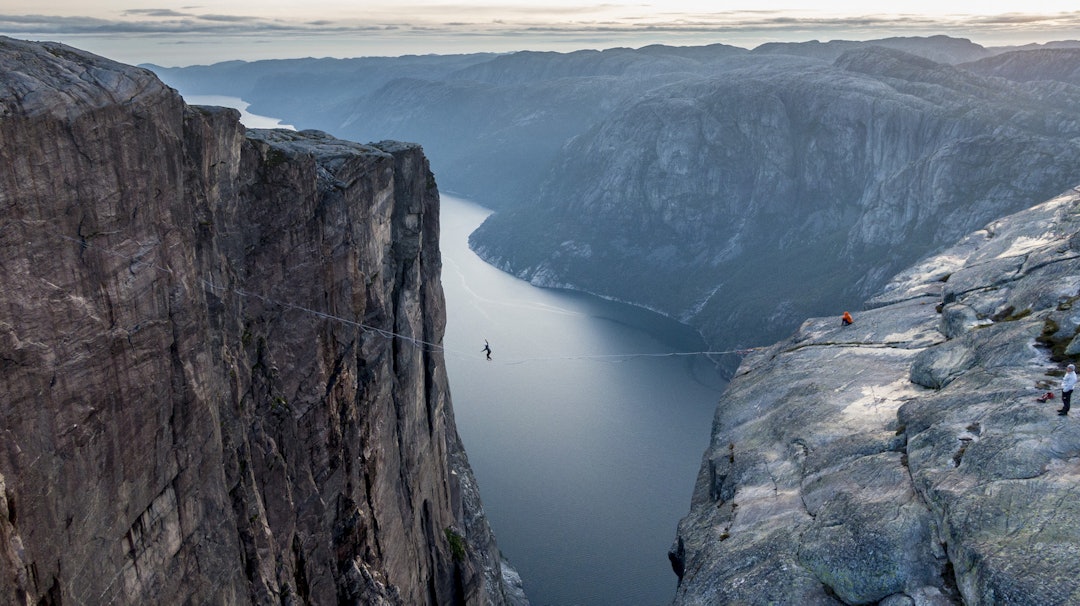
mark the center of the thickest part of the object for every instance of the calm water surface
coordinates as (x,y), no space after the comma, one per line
(247,118)
(586,458)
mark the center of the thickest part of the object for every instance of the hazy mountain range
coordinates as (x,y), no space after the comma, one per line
(738,190)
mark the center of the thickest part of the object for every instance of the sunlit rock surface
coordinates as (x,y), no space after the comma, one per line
(217,377)
(905,459)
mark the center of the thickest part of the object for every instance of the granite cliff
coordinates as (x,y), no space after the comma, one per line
(494,124)
(220,379)
(786,186)
(491,124)
(905,459)
(736,190)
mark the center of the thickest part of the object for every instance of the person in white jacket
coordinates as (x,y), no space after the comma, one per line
(1067,385)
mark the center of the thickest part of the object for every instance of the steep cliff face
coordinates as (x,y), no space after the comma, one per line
(739,191)
(905,459)
(786,187)
(220,379)
(491,124)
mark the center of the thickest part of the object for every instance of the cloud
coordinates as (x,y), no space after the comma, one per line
(229,18)
(49,24)
(1026,19)
(149,21)
(154,12)
(579,22)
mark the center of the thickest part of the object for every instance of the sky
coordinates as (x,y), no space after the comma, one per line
(187,32)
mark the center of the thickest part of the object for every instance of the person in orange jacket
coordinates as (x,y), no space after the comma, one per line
(846,320)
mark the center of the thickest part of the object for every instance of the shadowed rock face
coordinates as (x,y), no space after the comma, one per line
(738,191)
(490,123)
(217,383)
(905,459)
(785,187)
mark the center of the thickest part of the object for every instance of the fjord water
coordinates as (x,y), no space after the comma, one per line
(586,452)
(247,118)
(584,434)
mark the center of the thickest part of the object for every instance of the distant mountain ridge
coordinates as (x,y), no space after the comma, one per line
(940,49)
(738,190)
(491,123)
(787,188)
(1059,64)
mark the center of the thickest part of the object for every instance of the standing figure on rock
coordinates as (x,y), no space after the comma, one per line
(487,349)
(1068,382)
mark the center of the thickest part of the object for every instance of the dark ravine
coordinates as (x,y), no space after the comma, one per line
(904,460)
(200,397)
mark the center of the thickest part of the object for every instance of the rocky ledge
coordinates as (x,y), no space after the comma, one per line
(220,379)
(905,459)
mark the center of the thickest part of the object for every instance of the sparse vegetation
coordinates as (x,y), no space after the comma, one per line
(457,544)
(1057,343)
(1009,314)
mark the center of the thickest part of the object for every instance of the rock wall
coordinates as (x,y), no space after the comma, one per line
(782,187)
(737,191)
(220,379)
(905,459)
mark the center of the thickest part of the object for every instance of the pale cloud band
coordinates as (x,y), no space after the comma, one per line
(464,20)
(504,28)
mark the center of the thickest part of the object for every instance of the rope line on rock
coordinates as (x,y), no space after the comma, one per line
(627,356)
(385,333)
(389,334)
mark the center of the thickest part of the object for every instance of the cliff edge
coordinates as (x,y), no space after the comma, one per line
(905,459)
(220,372)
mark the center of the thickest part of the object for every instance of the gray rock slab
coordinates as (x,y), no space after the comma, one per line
(905,459)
